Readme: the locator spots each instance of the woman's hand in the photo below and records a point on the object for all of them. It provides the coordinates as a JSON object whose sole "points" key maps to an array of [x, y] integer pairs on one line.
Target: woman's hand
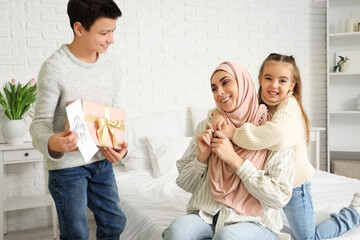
{"points": [[217, 120], [224, 149], [114, 155], [203, 141]]}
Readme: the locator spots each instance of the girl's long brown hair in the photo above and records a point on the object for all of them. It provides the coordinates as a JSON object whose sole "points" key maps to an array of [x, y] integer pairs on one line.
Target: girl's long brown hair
{"points": [[297, 91]]}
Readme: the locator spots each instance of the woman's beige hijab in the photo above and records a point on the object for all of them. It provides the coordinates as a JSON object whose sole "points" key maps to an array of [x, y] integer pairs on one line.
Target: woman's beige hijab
{"points": [[226, 186]]}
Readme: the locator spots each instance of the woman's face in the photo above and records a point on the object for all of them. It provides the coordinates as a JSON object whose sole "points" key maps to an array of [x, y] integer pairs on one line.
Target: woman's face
{"points": [[225, 90]]}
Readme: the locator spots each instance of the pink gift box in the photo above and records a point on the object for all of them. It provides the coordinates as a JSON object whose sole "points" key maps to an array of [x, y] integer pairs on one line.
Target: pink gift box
{"points": [[111, 121]]}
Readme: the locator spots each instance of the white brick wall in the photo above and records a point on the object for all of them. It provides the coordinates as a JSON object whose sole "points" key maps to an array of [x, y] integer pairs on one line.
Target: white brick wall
{"points": [[168, 50]]}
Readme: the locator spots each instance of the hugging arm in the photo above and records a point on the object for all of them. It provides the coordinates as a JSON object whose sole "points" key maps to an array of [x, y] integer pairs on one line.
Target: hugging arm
{"points": [[273, 185], [283, 131]]}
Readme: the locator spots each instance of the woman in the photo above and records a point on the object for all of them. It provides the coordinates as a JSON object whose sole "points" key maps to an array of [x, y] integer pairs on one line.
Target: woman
{"points": [[236, 193]]}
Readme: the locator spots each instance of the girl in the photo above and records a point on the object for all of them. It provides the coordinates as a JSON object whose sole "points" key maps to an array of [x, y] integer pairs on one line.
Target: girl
{"points": [[236, 193], [280, 90]]}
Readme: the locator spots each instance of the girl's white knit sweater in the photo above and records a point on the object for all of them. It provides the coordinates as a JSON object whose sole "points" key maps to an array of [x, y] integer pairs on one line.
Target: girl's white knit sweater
{"points": [[286, 129]]}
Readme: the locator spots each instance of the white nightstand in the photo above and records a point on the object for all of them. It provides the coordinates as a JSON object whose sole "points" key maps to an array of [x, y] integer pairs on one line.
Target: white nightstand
{"points": [[24, 153]]}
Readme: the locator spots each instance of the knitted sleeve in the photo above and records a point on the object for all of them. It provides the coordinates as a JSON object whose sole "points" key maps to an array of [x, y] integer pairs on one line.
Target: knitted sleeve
{"points": [[283, 131], [47, 95]]}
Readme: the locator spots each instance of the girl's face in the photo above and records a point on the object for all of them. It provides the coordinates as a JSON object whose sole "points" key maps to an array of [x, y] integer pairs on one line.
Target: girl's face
{"points": [[225, 90], [276, 81]]}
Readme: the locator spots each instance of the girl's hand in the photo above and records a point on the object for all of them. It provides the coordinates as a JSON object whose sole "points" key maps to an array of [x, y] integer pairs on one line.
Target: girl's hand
{"points": [[115, 155], [228, 131], [203, 141], [63, 142], [217, 120], [224, 149]]}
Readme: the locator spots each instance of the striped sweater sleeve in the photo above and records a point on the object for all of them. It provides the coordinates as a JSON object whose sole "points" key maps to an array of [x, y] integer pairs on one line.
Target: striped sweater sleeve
{"points": [[189, 168], [273, 185], [283, 131]]}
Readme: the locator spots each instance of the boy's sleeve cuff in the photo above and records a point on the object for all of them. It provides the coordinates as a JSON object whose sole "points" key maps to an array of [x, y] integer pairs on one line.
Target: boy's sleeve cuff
{"points": [[246, 170], [55, 156]]}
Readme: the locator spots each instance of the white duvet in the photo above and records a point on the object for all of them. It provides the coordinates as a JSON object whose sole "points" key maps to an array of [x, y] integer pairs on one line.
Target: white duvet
{"points": [[151, 204]]}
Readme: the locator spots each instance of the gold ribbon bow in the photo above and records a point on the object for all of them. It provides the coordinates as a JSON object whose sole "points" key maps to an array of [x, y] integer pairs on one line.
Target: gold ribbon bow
{"points": [[105, 126]]}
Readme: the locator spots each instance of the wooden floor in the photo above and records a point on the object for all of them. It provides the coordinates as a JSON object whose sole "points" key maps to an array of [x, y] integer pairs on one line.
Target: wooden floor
{"points": [[43, 233]]}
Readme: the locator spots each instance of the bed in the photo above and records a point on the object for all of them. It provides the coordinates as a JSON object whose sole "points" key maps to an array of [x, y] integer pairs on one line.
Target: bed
{"points": [[151, 199], [151, 204]]}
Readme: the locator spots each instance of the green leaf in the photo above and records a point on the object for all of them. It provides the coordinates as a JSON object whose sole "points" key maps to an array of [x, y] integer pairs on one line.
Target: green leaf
{"points": [[28, 100], [18, 99], [9, 115], [24, 110]]}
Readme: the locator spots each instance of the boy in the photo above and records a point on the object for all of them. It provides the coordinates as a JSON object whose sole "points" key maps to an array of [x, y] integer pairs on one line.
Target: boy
{"points": [[74, 71]]}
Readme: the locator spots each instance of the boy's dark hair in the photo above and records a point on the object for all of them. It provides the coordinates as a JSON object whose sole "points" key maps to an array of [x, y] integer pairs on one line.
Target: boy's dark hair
{"points": [[87, 11]]}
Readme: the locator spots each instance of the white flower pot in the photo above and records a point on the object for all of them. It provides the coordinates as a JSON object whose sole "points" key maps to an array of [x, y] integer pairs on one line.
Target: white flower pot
{"points": [[344, 67], [15, 131]]}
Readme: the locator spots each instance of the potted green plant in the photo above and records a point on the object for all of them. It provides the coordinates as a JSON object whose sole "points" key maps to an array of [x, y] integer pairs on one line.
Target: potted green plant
{"points": [[17, 100], [342, 64]]}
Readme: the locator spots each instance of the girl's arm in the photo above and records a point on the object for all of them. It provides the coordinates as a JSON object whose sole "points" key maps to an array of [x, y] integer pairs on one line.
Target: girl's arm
{"points": [[190, 169], [273, 185], [283, 131]]}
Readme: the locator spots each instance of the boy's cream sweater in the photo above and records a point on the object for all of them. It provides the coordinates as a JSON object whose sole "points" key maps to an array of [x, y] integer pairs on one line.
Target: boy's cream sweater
{"points": [[286, 129]]}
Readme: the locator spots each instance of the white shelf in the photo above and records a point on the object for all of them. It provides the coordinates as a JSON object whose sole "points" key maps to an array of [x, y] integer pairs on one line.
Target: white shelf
{"points": [[345, 149], [343, 88], [344, 35], [343, 74], [27, 202], [345, 112]]}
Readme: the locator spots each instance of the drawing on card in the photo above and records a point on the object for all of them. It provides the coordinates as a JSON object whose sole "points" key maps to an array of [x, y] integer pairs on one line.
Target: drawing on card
{"points": [[77, 124], [80, 128]]}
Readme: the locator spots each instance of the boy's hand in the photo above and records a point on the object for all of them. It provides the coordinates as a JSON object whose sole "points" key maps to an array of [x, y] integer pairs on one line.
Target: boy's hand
{"points": [[203, 141], [217, 120], [63, 142], [114, 155]]}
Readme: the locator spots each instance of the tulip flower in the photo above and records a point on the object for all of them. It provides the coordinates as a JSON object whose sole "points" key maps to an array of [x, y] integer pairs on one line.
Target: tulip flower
{"points": [[18, 98]]}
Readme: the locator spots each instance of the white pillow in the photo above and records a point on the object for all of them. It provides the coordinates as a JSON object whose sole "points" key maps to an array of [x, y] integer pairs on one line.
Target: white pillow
{"points": [[198, 114], [165, 151], [136, 128]]}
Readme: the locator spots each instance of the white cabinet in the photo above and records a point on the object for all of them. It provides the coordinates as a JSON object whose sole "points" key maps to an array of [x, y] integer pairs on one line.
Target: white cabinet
{"points": [[343, 88], [24, 153]]}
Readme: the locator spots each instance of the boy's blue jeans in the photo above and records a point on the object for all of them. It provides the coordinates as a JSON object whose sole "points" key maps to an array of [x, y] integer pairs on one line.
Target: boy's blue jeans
{"points": [[192, 227], [94, 186], [300, 214]]}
